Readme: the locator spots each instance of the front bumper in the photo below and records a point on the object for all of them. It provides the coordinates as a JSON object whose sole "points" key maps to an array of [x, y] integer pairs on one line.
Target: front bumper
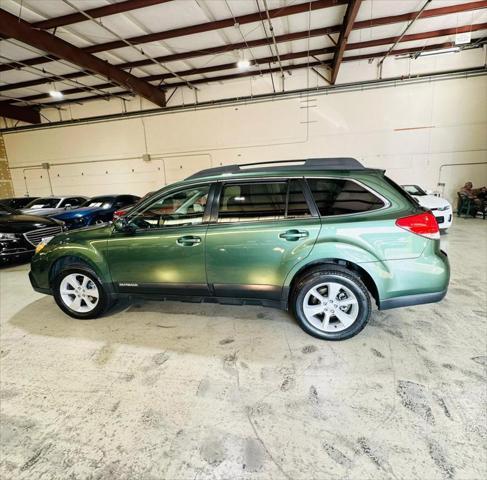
{"points": [[444, 218], [8, 255], [35, 286]]}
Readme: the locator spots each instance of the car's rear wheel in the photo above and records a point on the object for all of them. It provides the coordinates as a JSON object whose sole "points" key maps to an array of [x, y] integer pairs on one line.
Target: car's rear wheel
{"points": [[331, 304], [79, 293]]}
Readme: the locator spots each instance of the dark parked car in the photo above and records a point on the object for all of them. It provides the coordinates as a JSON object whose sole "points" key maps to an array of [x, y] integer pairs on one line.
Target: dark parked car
{"points": [[17, 202], [20, 234], [98, 210]]}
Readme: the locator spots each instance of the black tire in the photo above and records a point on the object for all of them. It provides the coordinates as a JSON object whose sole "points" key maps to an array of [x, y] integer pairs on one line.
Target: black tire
{"points": [[332, 274], [104, 300]]}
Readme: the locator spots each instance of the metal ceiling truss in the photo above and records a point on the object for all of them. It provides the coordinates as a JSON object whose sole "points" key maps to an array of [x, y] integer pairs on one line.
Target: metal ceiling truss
{"points": [[284, 57], [32, 34], [279, 39], [290, 10]]}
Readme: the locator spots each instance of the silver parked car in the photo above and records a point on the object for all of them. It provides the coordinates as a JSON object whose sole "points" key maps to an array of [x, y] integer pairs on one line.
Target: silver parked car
{"points": [[52, 205]]}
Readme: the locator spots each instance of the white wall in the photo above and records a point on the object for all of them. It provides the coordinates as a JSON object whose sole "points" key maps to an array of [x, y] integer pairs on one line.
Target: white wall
{"points": [[411, 130]]}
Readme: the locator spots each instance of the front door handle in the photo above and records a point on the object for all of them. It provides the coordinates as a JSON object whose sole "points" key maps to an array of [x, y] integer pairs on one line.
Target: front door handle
{"points": [[188, 241], [294, 235]]}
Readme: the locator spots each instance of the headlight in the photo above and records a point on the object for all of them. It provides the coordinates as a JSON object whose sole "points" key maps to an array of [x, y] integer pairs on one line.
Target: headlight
{"points": [[442, 209], [8, 236], [43, 243]]}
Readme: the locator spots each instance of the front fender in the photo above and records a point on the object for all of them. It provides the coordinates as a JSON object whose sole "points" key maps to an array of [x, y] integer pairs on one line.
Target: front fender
{"points": [[90, 253]]}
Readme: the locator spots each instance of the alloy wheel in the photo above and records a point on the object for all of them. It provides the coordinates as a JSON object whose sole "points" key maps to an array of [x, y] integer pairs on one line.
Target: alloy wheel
{"points": [[79, 292], [330, 307]]}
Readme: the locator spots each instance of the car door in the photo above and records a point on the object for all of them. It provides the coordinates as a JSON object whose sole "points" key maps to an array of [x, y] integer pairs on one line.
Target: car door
{"points": [[260, 230], [166, 252]]}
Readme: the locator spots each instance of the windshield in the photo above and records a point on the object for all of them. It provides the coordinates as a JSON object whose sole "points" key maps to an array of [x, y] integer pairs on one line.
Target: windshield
{"points": [[414, 190], [99, 202], [4, 210], [50, 202]]}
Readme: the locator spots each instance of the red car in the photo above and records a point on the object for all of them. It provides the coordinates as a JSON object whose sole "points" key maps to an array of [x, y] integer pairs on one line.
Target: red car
{"points": [[123, 211]]}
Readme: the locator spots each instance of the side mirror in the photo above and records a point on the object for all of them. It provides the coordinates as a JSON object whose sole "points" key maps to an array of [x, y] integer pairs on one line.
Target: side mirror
{"points": [[68, 206], [123, 226]]}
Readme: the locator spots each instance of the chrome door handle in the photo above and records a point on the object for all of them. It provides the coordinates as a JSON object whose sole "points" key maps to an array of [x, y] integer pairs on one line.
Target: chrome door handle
{"points": [[293, 235], [188, 241]]}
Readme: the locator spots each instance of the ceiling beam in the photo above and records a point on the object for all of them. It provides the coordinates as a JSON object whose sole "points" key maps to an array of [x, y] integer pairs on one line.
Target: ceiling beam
{"points": [[228, 66], [194, 71], [219, 24], [417, 36], [22, 31], [266, 60], [311, 65], [200, 28], [24, 114], [432, 12], [348, 21], [250, 43], [112, 9]]}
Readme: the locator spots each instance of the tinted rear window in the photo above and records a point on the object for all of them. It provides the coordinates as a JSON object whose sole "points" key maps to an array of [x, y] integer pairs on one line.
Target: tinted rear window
{"points": [[262, 201], [342, 197], [252, 201]]}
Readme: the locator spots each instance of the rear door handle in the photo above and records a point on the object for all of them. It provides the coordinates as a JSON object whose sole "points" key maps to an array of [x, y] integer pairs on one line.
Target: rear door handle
{"points": [[293, 235], [188, 241]]}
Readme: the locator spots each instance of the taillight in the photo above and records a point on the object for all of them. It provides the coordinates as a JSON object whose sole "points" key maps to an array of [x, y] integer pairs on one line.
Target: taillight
{"points": [[118, 214], [423, 224]]}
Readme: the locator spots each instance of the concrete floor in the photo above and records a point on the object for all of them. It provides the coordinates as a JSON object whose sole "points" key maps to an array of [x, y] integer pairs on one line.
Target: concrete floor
{"points": [[184, 391]]}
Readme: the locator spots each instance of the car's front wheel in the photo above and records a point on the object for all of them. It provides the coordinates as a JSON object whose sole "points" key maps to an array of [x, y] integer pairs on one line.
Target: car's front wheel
{"points": [[79, 293], [331, 304]]}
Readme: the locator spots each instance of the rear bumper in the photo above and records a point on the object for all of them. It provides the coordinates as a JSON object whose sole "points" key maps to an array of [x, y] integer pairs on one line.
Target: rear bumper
{"points": [[408, 300], [402, 283]]}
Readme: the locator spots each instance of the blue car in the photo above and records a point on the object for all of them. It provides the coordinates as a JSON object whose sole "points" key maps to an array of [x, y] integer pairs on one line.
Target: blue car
{"points": [[97, 210]]}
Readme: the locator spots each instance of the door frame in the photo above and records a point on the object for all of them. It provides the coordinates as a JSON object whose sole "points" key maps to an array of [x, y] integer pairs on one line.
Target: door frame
{"points": [[169, 290], [245, 292]]}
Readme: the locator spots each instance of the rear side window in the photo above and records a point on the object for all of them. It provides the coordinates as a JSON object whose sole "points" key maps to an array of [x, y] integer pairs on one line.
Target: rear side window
{"points": [[342, 197], [245, 202]]}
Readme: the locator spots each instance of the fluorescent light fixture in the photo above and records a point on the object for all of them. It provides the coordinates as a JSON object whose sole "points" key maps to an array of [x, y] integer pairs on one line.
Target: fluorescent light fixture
{"points": [[439, 52], [243, 64], [56, 94]]}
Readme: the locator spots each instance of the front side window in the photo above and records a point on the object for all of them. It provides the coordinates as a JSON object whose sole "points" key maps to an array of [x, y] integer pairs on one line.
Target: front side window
{"points": [[342, 197], [247, 202], [185, 207]]}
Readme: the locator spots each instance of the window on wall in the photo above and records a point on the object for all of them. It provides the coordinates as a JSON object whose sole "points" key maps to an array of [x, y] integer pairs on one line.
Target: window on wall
{"points": [[263, 201], [185, 207], [341, 197]]}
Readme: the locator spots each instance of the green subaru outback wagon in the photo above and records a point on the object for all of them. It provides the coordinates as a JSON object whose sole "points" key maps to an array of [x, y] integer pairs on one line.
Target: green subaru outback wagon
{"points": [[319, 237]]}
